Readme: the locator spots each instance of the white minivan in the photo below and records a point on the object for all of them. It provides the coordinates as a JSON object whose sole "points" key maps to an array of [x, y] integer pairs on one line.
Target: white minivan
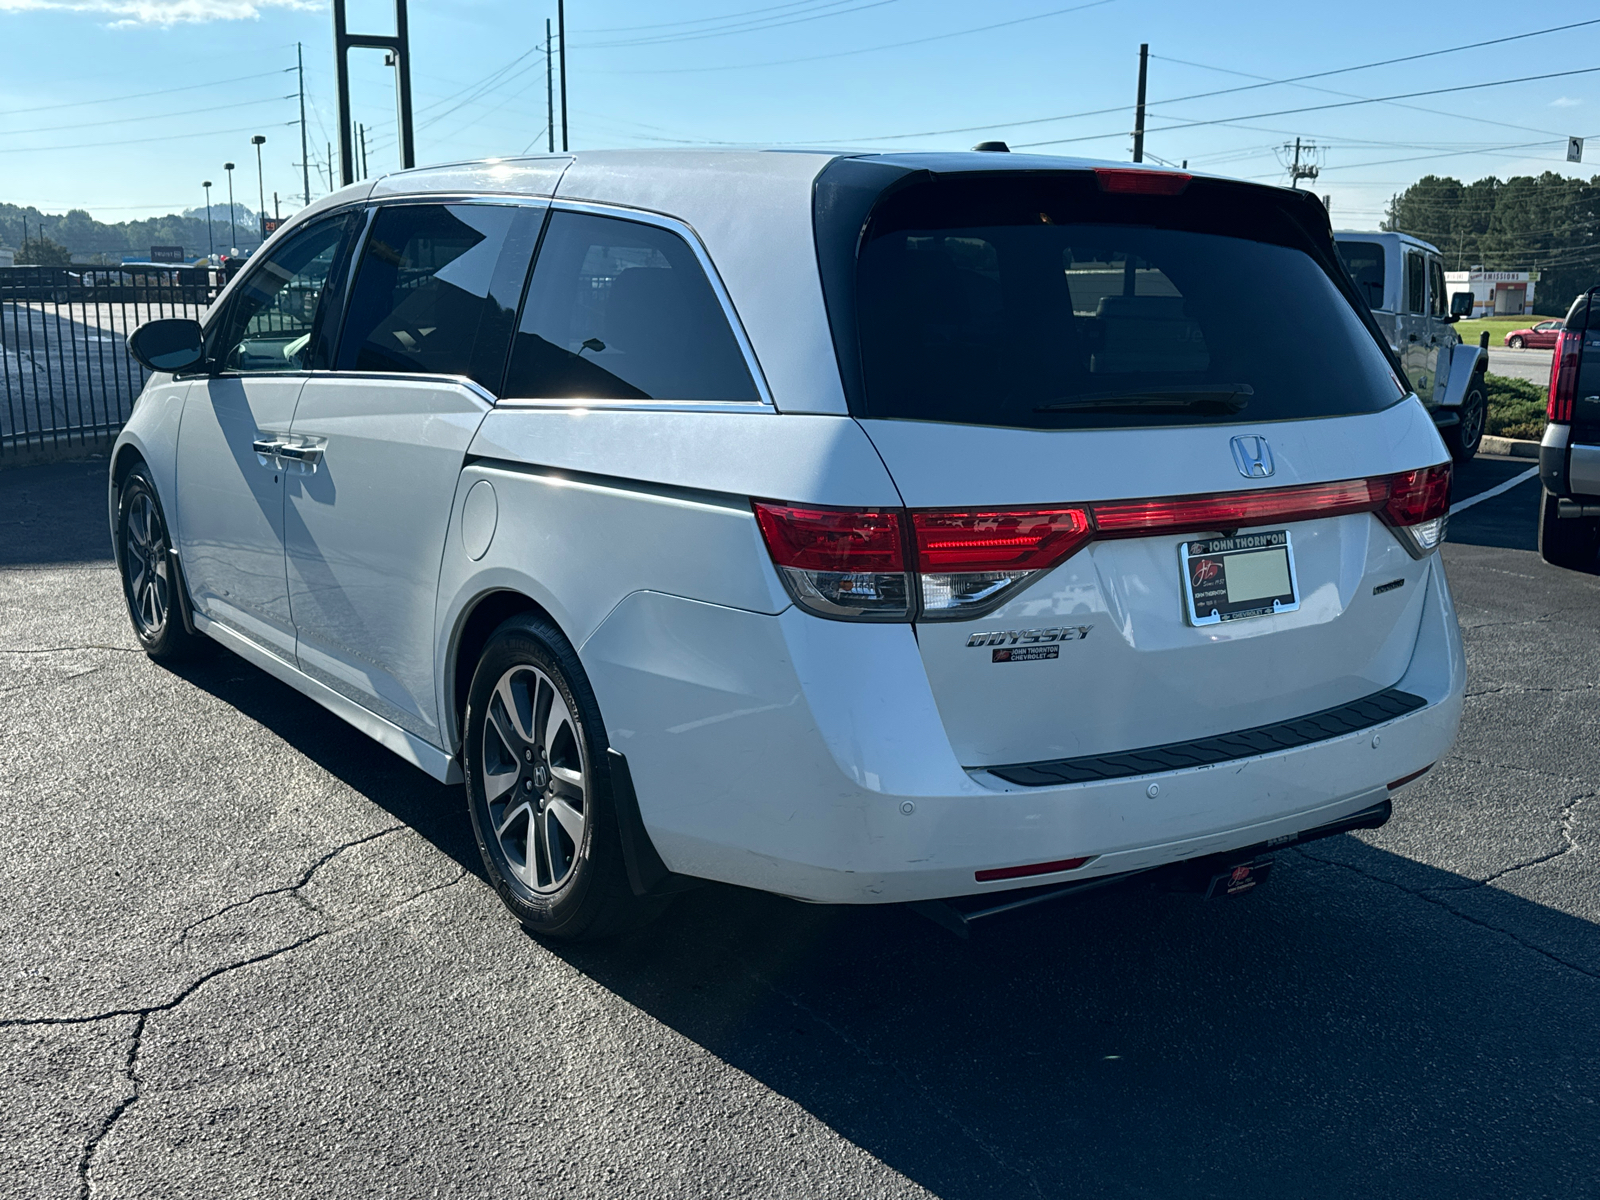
{"points": [[865, 529]]}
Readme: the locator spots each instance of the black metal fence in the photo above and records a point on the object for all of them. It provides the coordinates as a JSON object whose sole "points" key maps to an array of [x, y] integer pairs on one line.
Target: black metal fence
{"points": [[67, 380]]}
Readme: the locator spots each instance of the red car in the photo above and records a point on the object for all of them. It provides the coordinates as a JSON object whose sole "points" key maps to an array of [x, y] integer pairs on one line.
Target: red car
{"points": [[1541, 337]]}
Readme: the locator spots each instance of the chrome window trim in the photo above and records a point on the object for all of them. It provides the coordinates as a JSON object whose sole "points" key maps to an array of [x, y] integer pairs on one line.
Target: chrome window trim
{"points": [[696, 247], [472, 385]]}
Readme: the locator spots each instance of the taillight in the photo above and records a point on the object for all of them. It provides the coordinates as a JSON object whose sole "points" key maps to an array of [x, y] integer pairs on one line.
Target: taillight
{"points": [[967, 558], [1132, 181], [840, 562], [1564, 376], [939, 565]]}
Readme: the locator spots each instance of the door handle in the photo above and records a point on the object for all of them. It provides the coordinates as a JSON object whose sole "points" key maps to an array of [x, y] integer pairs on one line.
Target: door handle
{"points": [[267, 447], [306, 456]]}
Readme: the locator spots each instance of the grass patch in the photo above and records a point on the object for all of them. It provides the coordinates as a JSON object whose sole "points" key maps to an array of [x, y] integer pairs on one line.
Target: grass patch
{"points": [[1498, 327], [1516, 408]]}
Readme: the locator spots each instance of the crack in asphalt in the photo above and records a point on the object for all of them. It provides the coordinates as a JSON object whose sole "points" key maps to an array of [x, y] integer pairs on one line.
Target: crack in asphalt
{"points": [[1520, 688], [131, 1072], [143, 1015], [292, 888], [1567, 813], [1429, 895]]}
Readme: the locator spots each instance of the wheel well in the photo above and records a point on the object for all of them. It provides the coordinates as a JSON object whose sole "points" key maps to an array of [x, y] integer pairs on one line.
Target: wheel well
{"points": [[127, 458], [484, 619]]}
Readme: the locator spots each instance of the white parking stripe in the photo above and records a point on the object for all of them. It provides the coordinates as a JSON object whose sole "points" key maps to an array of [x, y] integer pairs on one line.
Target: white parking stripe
{"points": [[1494, 491]]}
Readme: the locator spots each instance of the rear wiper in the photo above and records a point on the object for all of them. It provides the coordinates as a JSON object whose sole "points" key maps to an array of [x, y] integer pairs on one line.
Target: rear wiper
{"points": [[1223, 396]]}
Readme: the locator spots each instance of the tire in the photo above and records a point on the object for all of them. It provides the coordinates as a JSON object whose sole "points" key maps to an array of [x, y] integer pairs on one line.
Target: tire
{"points": [[151, 583], [1573, 543], [1464, 437], [1515, 343], [538, 785]]}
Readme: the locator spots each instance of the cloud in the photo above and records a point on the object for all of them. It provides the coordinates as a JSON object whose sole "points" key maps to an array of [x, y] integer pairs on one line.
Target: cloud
{"points": [[161, 12], [1558, 102]]}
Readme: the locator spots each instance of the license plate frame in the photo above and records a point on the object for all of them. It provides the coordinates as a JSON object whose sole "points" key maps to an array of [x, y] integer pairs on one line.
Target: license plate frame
{"points": [[1205, 561]]}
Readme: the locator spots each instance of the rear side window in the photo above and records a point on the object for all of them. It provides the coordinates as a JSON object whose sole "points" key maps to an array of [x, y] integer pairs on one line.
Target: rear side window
{"points": [[1416, 284], [437, 290], [1031, 304], [1365, 262], [619, 310]]}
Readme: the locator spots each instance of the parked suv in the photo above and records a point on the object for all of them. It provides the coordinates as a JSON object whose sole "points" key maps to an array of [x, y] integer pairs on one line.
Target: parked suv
{"points": [[862, 529], [1569, 455], [1402, 280]]}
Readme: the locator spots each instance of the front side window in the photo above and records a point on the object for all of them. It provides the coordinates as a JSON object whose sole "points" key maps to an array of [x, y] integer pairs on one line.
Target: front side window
{"points": [[620, 310], [1416, 284], [437, 290], [1365, 262], [1041, 304], [269, 322], [1437, 304]]}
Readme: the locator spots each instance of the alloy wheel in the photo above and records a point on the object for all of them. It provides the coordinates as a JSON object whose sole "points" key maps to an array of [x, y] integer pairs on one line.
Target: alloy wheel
{"points": [[535, 778], [146, 564]]}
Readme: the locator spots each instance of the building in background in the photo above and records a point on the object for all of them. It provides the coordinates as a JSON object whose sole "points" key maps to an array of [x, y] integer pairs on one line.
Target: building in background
{"points": [[1495, 293], [8, 256]]}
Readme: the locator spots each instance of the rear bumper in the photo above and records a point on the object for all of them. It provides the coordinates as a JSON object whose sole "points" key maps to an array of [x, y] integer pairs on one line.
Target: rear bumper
{"points": [[807, 757]]}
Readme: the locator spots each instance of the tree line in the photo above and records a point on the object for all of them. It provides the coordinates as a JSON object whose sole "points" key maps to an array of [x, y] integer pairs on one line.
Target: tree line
{"points": [[1549, 223], [49, 239]]}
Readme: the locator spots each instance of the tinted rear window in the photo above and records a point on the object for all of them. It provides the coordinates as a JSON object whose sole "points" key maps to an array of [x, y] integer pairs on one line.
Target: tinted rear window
{"points": [[1364, 261], [1047, 304]]}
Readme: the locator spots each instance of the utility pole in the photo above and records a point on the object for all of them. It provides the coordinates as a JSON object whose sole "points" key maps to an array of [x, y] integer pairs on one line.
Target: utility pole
{"points": [[261, 185], [549, 90], [211, 242], [1138, 109], [363, 131], [1297, 172], [233, 234], [561, 28], [330, 166], [305, 154], [1294, 171]]}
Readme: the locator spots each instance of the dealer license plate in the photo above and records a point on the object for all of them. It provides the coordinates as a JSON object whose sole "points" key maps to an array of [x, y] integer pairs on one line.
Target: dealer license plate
{"points": [[1230, 578]]}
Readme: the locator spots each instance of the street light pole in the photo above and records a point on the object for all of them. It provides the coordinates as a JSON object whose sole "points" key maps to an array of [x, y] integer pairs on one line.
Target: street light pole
{"points": [[233, 234], [561, 29], [211, 241], [261, 185]]}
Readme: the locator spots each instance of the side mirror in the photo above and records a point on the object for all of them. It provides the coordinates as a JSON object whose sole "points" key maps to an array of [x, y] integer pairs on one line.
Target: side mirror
{"points": [[170, 344], [1461, 305]]}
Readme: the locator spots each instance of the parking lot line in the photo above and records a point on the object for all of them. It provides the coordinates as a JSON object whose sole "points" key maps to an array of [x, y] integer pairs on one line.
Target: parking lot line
{"points": [[1497, 490]]}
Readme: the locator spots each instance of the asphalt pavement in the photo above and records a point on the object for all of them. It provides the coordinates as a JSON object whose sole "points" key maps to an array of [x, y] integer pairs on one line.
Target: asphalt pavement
{"points": [[1532, 365], [248, 952]]}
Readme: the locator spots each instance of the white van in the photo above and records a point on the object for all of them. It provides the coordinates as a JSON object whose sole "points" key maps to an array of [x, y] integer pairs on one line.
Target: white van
{"points": [[865, 529]]}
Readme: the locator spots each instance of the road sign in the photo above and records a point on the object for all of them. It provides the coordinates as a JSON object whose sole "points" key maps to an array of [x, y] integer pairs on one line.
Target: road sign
{"points": [[1574, 149], [269, 226], [166, 254]]}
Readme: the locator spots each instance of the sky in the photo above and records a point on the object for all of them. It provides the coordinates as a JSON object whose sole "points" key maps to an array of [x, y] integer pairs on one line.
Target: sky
{"points": [[124, 107]]}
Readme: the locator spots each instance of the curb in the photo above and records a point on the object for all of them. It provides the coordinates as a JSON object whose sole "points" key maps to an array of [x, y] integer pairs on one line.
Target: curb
{"points": [[1515, 447]]}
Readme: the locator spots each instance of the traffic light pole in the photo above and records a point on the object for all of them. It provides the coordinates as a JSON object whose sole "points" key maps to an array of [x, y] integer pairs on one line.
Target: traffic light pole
{"points": [[399, 47]]}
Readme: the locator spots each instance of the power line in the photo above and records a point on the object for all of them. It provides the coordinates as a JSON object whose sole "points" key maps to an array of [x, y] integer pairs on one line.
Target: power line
{"points": [[188, 112], [747, 27], [706, 20], [11, 112], [1100, 112], [938, 37], [1284, 112], [171, 137]]}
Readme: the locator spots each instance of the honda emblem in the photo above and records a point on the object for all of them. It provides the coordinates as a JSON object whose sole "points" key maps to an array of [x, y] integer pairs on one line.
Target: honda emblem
{"points": [[1252, 456]]}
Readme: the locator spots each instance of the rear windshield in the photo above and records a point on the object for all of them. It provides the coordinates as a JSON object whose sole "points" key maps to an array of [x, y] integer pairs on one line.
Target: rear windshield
{"points": [[1043, 303], [1364, 261]]}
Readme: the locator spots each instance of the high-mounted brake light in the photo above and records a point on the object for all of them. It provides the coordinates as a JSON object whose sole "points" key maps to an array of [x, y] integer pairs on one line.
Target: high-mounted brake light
{"points": [[1564, 376], [1128, 181], [941, 565]]}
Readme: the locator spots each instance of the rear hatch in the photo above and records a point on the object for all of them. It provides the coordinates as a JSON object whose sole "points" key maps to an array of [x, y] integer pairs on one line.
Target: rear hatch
{"points": [[1164, 480]]}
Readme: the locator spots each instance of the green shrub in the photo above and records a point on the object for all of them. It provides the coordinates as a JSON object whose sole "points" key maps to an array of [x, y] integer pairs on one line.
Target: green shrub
{"points": [[1516, 408]]}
